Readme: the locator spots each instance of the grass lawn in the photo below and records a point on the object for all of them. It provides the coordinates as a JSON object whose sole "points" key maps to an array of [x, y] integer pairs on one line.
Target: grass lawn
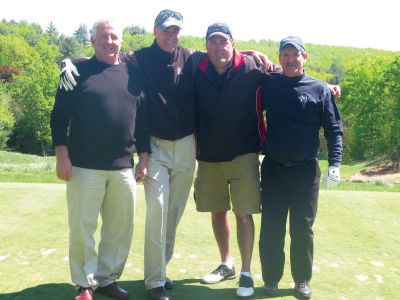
{"points": [[356, 248], [17, 167]]}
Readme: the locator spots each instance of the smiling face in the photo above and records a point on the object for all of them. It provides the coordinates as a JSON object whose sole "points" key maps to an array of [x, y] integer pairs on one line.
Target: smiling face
{"points": [[292, 61], [220, 52], [107, 43], [168, 38]]}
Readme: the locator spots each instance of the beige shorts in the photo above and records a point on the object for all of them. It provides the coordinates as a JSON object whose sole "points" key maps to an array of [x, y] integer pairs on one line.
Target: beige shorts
{"points": [[218, 184]]}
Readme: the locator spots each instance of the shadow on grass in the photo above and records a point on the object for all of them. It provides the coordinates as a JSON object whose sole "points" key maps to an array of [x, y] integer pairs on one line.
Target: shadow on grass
{"points": [[184, 289], [49, 291]]}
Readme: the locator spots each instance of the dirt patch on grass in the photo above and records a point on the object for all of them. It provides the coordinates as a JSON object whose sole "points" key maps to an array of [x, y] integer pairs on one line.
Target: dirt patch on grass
{"points": [[387, 173]]}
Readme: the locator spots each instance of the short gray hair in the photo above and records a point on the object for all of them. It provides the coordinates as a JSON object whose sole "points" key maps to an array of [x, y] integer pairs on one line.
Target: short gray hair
{"points": [[112, 23]]}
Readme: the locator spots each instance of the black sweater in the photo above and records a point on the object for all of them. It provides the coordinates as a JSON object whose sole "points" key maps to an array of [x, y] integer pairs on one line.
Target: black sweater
{"points": [[296, 108], [169, 90], [97, 119]]}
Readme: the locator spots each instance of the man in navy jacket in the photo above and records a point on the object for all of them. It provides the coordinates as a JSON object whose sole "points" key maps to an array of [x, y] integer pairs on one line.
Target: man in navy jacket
{"points": [[297, 106]]}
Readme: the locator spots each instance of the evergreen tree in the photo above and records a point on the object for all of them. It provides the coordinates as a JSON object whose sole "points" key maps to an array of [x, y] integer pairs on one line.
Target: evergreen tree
{"points": [[82, 34]]}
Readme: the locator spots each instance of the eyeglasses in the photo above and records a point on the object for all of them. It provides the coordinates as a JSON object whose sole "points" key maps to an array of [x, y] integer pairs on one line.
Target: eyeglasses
{"points": [[166, 13]]}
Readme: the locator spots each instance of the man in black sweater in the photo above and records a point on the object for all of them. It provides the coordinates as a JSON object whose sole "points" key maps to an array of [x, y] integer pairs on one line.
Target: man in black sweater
{"points": [[95, 129], [297, 106], [172, 160]]}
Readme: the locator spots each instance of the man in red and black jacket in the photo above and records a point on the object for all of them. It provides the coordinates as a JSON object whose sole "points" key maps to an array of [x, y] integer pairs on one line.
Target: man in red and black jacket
{"points": [[230, 132]]}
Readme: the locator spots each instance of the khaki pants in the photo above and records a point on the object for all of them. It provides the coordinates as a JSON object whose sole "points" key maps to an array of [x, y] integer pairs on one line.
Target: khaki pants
{"points": [[167, 186], [111, 194]]}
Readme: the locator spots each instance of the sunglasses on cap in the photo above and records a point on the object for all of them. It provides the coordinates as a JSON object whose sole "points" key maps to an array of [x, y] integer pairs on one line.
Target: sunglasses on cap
{"points": [[218, 28], [166, 13]]}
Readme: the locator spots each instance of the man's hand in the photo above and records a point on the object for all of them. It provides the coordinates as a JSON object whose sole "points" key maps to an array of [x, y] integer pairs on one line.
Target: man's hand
{"points": [[141, 167], [332, 176], [63, 163], [260, 59], [335, 90], [68, 71]]}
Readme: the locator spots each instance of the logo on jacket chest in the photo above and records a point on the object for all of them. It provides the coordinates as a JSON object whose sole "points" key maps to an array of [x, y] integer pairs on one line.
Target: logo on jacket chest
{"points": [[303, 99]]}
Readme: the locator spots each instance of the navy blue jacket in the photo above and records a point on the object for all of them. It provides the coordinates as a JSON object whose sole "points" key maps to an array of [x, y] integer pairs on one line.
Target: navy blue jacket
{"points": [[296, 109]]}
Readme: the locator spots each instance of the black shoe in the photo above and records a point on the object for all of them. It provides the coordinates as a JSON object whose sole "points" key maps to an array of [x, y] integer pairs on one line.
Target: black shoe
{"points": [[302, 290], [219, 274], [114, 291], [246, 287], [158, 293], [271, 289], [168, 285]]}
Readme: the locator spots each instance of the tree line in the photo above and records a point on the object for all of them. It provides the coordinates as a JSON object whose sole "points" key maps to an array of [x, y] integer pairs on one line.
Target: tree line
{"points": [[29, 70]]}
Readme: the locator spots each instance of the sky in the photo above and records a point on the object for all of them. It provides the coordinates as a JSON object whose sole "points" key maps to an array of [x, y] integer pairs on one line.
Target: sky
{"points": [[361, 24]]}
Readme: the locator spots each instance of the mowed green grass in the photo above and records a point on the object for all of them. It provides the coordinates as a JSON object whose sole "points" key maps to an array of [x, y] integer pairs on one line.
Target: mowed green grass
{"points": [[357, 246], [18, 167]]}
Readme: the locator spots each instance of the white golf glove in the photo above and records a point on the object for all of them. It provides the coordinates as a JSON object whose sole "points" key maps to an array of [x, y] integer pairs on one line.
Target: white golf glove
{"points": [[68, 71], [332, 176]]}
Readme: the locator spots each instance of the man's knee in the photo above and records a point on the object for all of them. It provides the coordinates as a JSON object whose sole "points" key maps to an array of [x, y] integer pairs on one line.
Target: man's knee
{"points": [[219, 215], [244, 219]]}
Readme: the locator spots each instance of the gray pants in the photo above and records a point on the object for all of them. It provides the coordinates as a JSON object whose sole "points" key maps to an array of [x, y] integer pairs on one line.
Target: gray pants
{"points": [[167, 186]]}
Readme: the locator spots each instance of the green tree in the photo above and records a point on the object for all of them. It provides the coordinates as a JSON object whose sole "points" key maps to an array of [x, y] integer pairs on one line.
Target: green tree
{"points": [[32, 93], [366, 110], [6, 116], [52, 32], [82, 34], [132, 30], [391, 94]]}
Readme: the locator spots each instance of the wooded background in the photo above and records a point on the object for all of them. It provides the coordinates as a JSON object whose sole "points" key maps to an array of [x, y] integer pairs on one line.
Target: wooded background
{"points": [[29, 78]]}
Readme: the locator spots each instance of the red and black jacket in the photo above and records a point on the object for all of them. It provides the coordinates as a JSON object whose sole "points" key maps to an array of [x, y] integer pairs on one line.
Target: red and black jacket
{"points": [[229, 119]]}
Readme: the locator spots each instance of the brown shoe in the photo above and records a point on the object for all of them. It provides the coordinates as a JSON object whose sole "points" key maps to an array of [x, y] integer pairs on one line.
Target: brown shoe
{"points": [[84, 294], [114, 291]]}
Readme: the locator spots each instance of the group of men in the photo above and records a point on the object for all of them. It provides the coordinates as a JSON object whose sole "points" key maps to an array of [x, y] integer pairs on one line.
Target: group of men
{"points": [[177, 105]]}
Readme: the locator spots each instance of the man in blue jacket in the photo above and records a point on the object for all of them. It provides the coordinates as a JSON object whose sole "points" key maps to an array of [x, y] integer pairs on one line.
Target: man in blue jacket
{"points": [[297, 106]]}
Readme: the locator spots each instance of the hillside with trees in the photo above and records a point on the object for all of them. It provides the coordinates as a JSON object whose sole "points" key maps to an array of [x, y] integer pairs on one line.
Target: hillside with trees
{"points": [[29, 68]]}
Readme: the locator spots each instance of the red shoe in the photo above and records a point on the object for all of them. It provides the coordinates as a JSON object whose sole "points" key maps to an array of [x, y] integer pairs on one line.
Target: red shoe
{"points": [[84, 294]]}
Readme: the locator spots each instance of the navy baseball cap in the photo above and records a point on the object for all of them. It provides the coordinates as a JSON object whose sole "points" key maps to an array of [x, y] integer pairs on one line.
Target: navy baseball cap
{"points": [[167, 18], [293, 41], [221, 29]]}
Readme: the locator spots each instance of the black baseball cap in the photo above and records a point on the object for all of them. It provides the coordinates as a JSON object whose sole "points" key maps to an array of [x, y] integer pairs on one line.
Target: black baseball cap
{"points": [[167, 18], [293, 41], [221, 29]]}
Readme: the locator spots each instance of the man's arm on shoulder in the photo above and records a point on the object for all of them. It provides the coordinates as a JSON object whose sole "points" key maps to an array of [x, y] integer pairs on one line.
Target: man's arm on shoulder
{"points": [[69, 72], [335, 90], [261, 59]]}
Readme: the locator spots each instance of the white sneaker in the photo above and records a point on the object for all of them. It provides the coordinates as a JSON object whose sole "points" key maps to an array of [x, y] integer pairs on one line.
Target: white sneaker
{"points": [[219, 274], [246, 287]]}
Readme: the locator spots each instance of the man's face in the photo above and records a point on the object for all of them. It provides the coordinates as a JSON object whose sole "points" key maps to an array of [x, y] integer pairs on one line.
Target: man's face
{"points": [[167, 39], [107, 44], [220, 51], [292, 61]]}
